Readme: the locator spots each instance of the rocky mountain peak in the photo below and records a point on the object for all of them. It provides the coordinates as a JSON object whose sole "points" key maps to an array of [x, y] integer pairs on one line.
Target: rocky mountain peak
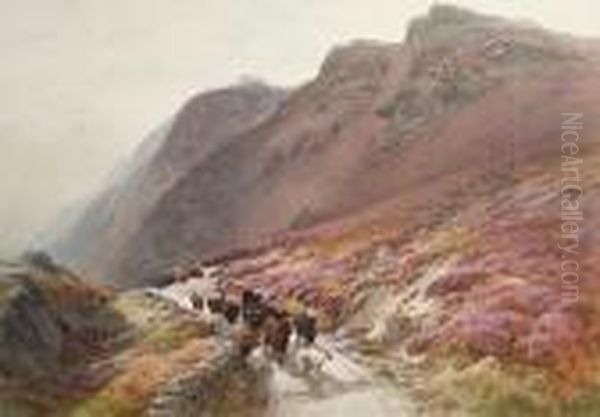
{"points": [[444, 24], [360, 59], [451, 14]]}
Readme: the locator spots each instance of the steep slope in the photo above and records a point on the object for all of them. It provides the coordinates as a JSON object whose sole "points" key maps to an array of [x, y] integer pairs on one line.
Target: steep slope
{"points": [[95, 240], [454, 108], [74, 232]]}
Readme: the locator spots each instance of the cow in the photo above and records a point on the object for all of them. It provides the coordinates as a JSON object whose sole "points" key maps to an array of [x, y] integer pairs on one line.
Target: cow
{"points": [[231, 311], [305, 327], [197, 302], [254, 311], [216, 304]]}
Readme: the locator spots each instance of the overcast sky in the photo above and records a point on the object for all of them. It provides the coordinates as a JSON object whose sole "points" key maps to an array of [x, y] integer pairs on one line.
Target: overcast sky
{"points": [[83, 81]]}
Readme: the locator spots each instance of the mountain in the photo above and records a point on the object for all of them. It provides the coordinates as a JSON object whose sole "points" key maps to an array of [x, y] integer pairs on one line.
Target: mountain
{"points": [[77, 226], [427, 126], [434, 202], [94, 241]]}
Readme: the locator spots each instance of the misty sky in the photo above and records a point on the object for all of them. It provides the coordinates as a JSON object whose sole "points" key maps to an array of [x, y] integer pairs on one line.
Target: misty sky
{"points": [[83, 81]]}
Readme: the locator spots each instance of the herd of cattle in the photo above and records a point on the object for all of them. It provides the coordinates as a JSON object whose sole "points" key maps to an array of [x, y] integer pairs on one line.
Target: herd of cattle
{"points": [[251, 323]]}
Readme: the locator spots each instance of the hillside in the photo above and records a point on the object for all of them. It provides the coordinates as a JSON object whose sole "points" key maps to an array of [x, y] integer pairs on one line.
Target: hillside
{"points": [[435, 202], [74, 349], [453, 109], [94, 241]]}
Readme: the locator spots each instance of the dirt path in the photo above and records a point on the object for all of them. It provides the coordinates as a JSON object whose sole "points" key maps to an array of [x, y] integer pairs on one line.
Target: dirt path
{"points": [[342, 387]]}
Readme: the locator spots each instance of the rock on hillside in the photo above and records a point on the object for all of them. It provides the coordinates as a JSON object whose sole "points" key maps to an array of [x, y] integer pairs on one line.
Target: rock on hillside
{"points": [[48, 317]]}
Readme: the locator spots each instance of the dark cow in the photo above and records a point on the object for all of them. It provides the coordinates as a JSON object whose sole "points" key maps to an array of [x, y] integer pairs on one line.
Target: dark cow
{"points": [[197, 302], [216, 305], [281, 338], [251, 298], [231, 311], [305, 326], [277, 330], [245, 339], [254, 311]]}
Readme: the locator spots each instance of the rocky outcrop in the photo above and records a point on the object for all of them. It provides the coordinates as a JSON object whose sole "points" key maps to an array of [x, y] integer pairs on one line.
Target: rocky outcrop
{"points": [[445, 24], [47, 319]]}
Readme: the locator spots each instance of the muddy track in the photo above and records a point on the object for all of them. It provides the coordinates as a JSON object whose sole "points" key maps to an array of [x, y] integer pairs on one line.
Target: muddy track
{"points": [[341, 387]]}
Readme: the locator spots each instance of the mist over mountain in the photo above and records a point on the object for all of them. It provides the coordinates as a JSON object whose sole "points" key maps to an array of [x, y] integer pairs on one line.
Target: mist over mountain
{"points": [[162, 160], [420, 121]]}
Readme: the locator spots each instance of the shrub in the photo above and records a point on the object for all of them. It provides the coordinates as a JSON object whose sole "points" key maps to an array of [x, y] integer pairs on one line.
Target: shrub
{"points": [[41, 260]]}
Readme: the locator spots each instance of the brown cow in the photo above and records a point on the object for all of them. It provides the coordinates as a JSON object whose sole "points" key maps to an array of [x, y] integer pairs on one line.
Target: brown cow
{"points": [[277, 331], [245, 339]]}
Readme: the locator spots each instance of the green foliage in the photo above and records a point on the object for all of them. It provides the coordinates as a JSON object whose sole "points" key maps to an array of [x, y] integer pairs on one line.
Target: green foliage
{"points": [[587, 404], [523, 404], [41, 260], [103, 407], [304, 218], [171, 336], [490, 389], [11, 407], [510, 404]]}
